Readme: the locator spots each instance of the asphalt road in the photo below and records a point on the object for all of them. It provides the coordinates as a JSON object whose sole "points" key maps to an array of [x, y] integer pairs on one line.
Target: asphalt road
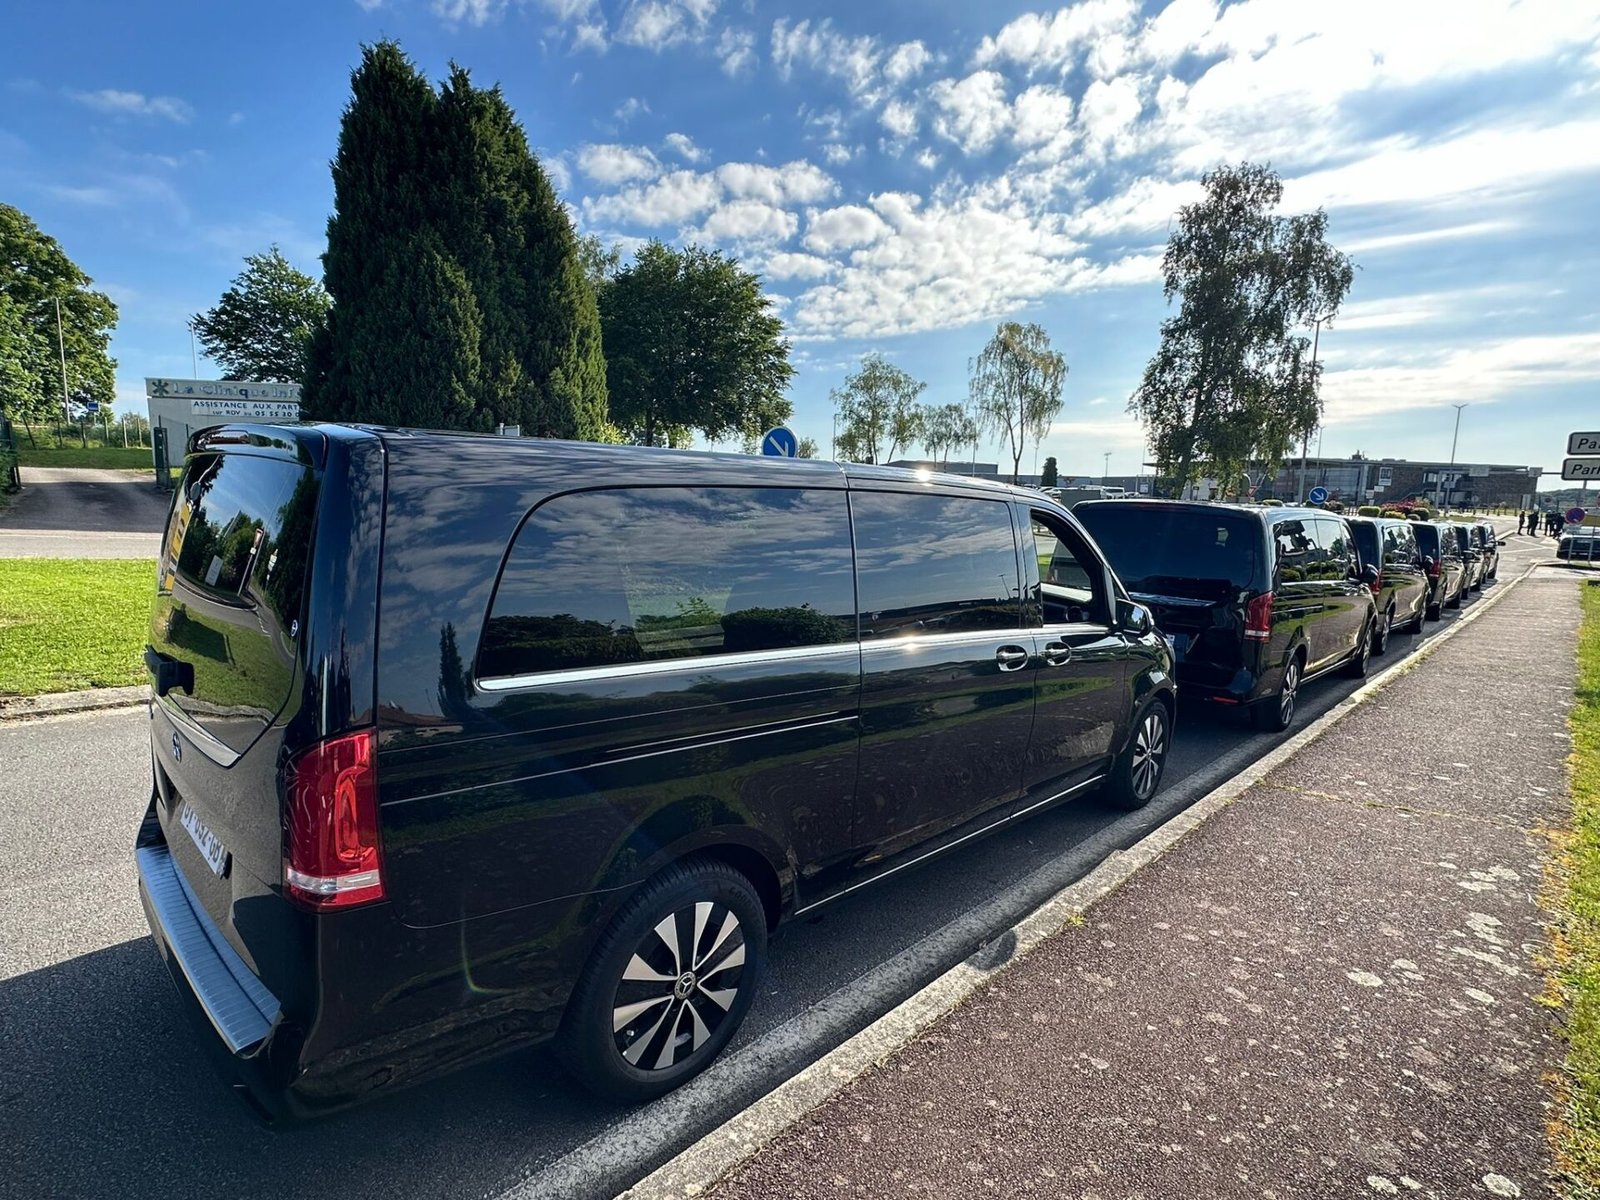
{"points": [[79, 512], [104, 1090]]}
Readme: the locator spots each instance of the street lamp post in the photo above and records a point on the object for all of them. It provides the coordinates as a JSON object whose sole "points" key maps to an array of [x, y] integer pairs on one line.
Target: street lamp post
{"points": [[1105, 475], [1305, 444], [1454, 437]]}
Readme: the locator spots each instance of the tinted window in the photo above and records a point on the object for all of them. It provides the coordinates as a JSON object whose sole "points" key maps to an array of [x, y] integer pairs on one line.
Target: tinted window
{"points": [[1157, 549], [1072, 584], [934, 564], [1297, 549], [647, 574], [1370, 541], [1399, 547], [1427, 539], [1339, 553]]}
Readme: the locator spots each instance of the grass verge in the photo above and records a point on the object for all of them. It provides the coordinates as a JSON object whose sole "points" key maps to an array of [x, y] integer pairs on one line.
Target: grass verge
{"points": [[69, 623], [133, 458], [1578, 935]]}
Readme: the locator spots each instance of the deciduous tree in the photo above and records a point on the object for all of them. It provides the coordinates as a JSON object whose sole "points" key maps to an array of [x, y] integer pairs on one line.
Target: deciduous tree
{"points": [[262, 326], [691, 343], [946, 427], [878, 412], [1231, 382], [1049, 477], [1016, 387], [35, 273]]}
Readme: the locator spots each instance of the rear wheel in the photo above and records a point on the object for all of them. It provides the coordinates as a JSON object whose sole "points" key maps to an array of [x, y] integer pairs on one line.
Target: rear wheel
{"points": [[1276, 712], [667, 985], [1455, 601], [1136, 775]]}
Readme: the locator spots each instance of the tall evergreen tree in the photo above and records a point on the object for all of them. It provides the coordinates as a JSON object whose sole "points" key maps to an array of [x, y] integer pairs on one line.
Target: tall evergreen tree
{"points": [[444, 216]]}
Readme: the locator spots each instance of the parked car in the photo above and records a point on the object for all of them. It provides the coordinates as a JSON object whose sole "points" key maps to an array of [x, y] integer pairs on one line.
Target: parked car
{"points": [[462, 743], [1471, 556], [1579, 543], [1256, 601], [1400, 591], [1442, 561]]}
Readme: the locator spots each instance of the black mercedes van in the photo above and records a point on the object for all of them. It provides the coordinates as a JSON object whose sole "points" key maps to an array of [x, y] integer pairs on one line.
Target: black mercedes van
{"points": [[1256, 601], [461, 743]]}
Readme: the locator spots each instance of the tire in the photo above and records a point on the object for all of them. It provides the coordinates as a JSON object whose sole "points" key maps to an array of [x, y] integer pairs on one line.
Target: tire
{"points": [[662, 1047], [1356, 666], [1136, 775], [1455, 601], [1276, 712], [1385, 628]]}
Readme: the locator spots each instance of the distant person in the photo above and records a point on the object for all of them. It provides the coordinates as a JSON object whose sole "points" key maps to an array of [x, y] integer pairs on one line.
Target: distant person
{"points": [[1522, 519], [1561, 522]]}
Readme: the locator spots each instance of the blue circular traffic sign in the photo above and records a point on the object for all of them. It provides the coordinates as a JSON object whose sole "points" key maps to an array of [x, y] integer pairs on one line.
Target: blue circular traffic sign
{"points": [[1574, 515], [1318, 495], [780, 443]]}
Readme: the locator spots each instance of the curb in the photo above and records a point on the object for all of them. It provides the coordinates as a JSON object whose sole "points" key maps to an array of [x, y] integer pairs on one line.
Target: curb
{"points": [[56, 704], [698, 1168]]}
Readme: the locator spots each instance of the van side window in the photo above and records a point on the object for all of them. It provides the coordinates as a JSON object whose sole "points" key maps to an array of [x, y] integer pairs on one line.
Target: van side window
{"points": [[1071, 584], [1295, 547], [627, 575], [934, 564]]}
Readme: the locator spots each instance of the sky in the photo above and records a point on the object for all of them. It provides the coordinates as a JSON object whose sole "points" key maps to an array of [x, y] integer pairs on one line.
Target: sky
{"points": [[904, 175]]}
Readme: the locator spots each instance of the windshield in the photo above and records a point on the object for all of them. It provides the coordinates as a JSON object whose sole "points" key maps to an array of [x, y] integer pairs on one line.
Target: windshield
{"points": [[1176, 551]]}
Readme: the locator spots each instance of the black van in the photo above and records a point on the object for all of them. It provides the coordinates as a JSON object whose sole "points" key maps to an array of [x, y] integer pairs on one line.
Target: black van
{"points": [[1255, 601], [1401, 589], [1444, 564], [461, 743]]}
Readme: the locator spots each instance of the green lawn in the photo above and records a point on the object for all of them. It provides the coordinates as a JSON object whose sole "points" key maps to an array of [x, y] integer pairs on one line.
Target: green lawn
{"points": [[46, 455], [1578, 930], [68, 623]]}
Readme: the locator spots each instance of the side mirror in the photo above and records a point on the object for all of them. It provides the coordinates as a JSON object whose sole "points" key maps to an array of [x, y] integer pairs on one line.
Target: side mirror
{"points": [[1370, 575], [1135, 618]]}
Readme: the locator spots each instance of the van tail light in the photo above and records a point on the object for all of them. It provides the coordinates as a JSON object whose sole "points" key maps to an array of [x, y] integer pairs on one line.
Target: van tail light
{"points": [[1258, 618], [331, 836], [1377, 585], [1433, 567]]}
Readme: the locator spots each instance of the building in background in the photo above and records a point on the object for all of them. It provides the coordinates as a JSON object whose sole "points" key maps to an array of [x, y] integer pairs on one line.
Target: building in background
{"points": [[1375, 480]]}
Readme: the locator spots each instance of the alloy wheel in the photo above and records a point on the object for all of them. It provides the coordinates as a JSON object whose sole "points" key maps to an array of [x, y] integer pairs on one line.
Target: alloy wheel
{"points": [[1149, 752], [679, 986], [1286, 698]]}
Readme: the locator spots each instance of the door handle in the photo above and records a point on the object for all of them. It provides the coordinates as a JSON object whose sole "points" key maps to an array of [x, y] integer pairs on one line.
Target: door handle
{"points": [[1056, 654], [1011, 658]]}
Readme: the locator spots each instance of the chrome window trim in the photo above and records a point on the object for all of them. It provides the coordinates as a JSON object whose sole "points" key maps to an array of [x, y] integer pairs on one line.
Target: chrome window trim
{"points": [[217, 751], [665, 666]]}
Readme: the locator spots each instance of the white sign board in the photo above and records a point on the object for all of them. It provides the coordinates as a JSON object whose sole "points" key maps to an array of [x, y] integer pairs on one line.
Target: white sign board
{"points": [[1580, 468], [1583, 443], [220, 389], [248, 410]]}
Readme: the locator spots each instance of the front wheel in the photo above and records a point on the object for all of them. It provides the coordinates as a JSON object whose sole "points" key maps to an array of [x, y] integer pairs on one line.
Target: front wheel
{"points": [[1356, 667], [1276, 712], [1385, 628], [1136, 775], [667, 985]]}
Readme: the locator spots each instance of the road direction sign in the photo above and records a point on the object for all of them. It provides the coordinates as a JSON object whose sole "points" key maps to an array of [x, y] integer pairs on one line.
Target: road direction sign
{"points": [[780, 443], [91, 406], [1319, 495], [1580, 468], [1574, 515], [1583, 443]]}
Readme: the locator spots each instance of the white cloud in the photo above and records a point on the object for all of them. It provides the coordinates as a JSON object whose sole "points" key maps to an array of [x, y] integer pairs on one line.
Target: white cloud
{"points": [[1101, 433], [589, 35], [899, 117], [927, 159], [737, 50], [1108, 111], [792, 183], [788, 265], [854, 60], [746, 221], [1037, 41], [837, 154], [842, 228], [1041, 114], [136, 104], [1483, 372], [630, 108], [609, 164], [673, 199], [683, 146], [653, 24], [905, 62], [1415, 237], [972, 112]]}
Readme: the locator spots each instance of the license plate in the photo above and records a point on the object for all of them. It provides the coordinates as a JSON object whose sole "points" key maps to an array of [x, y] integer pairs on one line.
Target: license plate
{"points": [[208, 843]]}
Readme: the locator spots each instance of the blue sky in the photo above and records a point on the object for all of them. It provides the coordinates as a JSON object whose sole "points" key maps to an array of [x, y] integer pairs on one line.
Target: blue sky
{"points": [[904, 174]]}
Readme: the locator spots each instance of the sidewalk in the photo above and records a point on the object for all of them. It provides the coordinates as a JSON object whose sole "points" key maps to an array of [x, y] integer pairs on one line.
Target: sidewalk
{"points": [[1328, 990]]}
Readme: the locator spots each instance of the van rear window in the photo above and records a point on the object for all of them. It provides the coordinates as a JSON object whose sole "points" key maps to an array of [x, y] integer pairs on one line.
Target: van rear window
{"points": [[629, 575], [1176, 551]]}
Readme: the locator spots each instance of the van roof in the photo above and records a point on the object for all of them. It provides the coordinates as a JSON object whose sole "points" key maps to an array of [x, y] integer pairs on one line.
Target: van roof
{"points": [[1259, 511], [648, 460]]}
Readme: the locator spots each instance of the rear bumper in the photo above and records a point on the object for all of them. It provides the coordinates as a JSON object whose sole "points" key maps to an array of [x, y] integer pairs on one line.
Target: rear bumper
{"points": [[1208, 684]]}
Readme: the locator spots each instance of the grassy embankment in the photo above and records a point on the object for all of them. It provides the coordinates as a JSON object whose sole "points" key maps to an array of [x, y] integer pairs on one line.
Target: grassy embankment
{"points": [[68, 623]]}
